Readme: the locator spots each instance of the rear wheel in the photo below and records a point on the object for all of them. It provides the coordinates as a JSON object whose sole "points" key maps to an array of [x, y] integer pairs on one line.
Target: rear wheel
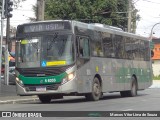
{"points": [[133, 91], [96, 91], [45, 98]]}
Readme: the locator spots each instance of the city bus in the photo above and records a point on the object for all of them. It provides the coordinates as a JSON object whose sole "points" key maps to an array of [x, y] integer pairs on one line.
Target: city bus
{"points": [[65, 57]]}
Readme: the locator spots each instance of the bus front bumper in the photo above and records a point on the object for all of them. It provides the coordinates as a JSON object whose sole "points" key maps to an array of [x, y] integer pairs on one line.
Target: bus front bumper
{"points": [[67, 88]]}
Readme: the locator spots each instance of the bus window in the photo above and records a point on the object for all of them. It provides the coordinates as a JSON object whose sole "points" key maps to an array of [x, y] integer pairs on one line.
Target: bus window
{"points": [[108, 47], [84, 47]]}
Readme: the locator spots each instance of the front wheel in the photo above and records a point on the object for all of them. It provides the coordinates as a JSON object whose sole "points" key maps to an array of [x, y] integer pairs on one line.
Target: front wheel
{"points": [[96, 91], [45, 98]]}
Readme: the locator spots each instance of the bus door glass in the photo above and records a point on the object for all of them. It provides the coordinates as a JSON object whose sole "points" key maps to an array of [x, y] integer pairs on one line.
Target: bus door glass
{"points": [[83, 50]]}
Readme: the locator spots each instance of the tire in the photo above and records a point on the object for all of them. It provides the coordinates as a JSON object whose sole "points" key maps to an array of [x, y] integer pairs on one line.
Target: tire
{"points": [[45, 98], [96, 91], [133, 91], [134, 87]]}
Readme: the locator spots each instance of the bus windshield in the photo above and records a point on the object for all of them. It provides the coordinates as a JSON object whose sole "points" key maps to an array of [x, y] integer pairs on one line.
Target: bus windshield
{"points": [[45, 51]]}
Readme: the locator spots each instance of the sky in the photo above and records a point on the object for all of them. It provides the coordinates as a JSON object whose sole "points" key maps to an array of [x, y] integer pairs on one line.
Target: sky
{"points": [[149, 10], [22, 13]]}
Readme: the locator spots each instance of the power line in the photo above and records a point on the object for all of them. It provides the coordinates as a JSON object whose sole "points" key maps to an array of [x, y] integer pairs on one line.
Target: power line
{"points": [[23, 10], [135, 2], [151, 1]]}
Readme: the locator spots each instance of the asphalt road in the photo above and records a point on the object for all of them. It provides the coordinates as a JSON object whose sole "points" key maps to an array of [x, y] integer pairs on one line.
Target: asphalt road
{"points": [[147, 100]]}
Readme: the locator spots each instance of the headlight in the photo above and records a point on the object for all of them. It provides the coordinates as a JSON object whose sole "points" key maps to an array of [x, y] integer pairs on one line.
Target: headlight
{"points": [[68, 77], [19, 81]]}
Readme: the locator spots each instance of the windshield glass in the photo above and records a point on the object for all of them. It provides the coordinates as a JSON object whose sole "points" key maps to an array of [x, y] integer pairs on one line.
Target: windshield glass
{"points": [[57, 50], [45, 51], [28, 50]]}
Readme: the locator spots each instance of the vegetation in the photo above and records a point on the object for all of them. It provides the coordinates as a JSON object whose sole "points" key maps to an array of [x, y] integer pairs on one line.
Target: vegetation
{"points": [[156, 77], [100, 11], [110, 12], [16, 3]]}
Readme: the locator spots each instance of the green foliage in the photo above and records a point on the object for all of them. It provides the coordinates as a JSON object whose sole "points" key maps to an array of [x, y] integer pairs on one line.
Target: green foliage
{"points": [[101, 11], [15, 2], [156, 77]]}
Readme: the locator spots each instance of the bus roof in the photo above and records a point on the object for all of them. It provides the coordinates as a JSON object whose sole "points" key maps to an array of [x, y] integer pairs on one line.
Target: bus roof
{"points": [[94, 26]]}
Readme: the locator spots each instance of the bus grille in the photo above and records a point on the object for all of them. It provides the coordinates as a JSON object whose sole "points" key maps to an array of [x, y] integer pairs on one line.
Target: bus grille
{"points": [[48, 87], [41, 72]]}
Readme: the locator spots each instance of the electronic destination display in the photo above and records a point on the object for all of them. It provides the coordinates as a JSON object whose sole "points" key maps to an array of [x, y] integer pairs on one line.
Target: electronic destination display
{"points": [[44, 26]]}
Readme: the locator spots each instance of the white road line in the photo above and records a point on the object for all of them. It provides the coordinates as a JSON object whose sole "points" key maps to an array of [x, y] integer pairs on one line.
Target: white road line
{"points": [[128, 110], [17, 100]]}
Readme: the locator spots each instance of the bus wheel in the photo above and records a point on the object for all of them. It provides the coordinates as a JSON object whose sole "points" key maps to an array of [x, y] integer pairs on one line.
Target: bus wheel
{"points": [[45, 98], [134, 87], [133, 91], [96, 91]]}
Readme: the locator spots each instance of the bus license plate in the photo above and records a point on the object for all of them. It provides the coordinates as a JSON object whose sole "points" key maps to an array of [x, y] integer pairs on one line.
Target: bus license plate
{"points": [[40, 89]]}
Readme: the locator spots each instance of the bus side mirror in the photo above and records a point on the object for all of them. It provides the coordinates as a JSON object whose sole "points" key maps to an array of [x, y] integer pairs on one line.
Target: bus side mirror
{"points": [[152, 53]]}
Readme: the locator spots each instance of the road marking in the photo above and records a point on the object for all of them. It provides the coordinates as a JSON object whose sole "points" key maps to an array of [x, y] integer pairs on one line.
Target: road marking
{"points": [[17, 100], [128, 110]]}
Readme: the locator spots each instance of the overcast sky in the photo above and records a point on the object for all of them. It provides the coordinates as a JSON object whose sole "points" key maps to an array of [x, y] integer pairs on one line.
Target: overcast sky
{"points": [[22, 14], [149, 11]]}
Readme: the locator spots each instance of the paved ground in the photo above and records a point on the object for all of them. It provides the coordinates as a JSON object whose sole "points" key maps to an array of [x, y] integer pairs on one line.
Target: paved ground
{"points": [[8, 94]]}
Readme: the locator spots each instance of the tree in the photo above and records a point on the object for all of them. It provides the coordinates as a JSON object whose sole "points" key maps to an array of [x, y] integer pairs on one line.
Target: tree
{"points": [[111, 12], [16, 3]]}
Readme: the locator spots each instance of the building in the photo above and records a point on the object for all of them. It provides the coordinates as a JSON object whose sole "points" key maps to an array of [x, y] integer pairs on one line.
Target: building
{"points": [[156, 57]]}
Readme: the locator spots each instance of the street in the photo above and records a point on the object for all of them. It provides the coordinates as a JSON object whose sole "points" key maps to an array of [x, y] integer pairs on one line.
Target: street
{"points": [[147, 100]]}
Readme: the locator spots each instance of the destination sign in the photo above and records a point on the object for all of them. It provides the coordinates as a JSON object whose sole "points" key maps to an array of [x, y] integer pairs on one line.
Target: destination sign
{"points": [[42, 27]]}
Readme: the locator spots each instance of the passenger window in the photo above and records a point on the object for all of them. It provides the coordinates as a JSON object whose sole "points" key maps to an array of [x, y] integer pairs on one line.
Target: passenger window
{"points": [[83, 47]]}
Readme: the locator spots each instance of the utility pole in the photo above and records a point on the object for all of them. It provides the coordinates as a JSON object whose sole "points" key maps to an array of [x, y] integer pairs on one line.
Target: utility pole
{"points": [[2, 21], [129, 15], [8, 15], [40, 10]]}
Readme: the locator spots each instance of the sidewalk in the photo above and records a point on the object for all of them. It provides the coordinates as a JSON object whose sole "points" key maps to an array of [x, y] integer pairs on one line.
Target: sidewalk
{"points": [[156, 84], [8, 94]]}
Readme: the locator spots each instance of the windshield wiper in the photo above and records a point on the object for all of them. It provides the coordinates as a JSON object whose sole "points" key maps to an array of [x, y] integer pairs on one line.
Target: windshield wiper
{"points": [[53, 40]]}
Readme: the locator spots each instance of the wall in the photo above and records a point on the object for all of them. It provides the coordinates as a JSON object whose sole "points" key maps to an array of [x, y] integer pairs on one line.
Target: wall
{"points": [[156, 67]]}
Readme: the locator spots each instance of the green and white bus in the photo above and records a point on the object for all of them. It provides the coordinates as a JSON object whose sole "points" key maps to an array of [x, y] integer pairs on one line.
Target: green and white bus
{"points": [[63, 57]]}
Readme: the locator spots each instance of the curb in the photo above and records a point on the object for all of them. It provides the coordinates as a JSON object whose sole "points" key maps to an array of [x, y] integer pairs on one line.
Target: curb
{"points": [[19, 101]]}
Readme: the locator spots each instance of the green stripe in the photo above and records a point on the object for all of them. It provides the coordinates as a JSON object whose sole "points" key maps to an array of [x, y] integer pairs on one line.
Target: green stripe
{"points": [[42, 80], [142, 76]]}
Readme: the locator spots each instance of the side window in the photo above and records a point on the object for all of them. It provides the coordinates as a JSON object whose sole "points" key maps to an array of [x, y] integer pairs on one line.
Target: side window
{"points": [[97, 49], [108, 46], [96, 45], [119, 47], [142, 50], [83, 47], [147, 51], [128, 48]]}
